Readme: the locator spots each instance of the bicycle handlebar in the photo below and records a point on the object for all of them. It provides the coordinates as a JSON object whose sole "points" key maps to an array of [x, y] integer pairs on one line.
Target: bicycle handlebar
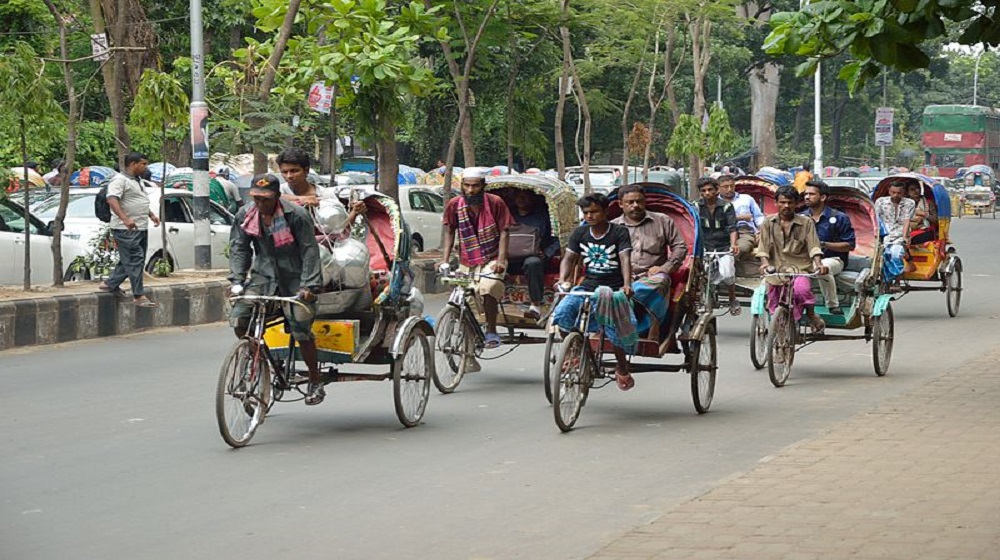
{"points": [[279, 299]]}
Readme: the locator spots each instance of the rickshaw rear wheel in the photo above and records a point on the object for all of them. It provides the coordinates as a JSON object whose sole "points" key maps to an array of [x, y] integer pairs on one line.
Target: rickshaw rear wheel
{"points": [[883, 329], [758, 341], [242, 395], [780, 347], [953, 288], [571, 383], [411, 378], [703, 367], [453, 349]]}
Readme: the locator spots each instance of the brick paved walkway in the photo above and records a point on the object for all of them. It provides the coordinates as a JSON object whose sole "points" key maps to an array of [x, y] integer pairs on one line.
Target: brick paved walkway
{"points": [[917, 477]]}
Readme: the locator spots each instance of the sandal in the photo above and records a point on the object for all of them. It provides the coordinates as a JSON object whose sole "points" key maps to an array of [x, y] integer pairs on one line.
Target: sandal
{"points": [[493, 341], [817, 324], [735, 308], [315, 394], [108, 290], [625, 382], [145, 302]]}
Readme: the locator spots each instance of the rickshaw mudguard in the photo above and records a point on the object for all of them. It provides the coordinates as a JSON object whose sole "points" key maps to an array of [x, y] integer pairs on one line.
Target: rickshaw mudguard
{"points": [[410, 324], [758, 302], [698, 329], [881, 304]]}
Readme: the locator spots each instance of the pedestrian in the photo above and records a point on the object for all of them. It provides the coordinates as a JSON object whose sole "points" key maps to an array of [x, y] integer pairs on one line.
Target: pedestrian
{"points": [[801, 178], [130, 217]]}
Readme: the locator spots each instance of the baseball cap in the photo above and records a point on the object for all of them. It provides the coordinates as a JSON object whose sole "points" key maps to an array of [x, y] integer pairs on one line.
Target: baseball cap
{"points": [[265, 183]]}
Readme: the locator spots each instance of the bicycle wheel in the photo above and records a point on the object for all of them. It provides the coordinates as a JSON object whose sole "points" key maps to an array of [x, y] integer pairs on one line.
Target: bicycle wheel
{"points": [[953, 289], [758, 341], [781, 347], [551, 356], [411, 383], [571, 385], [882, 335], [703, 366], [243, 393], [453, 350]]}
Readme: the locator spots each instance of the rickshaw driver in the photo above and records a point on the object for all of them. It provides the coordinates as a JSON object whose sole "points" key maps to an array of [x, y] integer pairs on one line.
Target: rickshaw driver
{"points": [[836, 238], [748, 215], [658, 250], [895, 212], [789, 240], [718, 222], [481, 220], [603, 247], [276, 237]]}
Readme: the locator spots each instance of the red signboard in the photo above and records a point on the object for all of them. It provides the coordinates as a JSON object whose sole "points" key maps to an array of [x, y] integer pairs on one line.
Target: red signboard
{"points": [[968, 140]]}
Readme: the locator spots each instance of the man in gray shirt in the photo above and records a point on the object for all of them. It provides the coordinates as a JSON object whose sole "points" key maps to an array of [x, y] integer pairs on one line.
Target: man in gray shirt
{"points": [[130, 218]]}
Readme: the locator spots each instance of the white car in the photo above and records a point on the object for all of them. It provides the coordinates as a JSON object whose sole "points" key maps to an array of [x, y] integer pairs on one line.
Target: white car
{"points": [[12, 247], [602, 178], [82, 222], [422, 208]]}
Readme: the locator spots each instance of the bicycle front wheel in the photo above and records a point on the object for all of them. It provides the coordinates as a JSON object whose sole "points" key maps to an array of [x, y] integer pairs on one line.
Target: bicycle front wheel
{"points": [[781, 347], [571, 381], [243, 393], [453, 350]]}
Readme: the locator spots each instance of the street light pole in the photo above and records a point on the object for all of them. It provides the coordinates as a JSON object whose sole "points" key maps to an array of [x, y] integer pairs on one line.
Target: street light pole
{"points": [[884, 104], [975, 78], [817, 102], [199, 144]]}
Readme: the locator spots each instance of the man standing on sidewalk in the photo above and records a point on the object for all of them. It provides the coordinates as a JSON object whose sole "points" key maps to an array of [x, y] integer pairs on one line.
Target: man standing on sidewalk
{"points": [[130, 217]]}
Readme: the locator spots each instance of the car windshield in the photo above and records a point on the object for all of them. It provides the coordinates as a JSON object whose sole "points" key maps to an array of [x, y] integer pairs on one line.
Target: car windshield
{"points": [[80, 206]]}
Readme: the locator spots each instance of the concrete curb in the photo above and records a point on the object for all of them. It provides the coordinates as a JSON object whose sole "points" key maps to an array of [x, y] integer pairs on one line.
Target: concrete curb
{"points": [[63, 318]]}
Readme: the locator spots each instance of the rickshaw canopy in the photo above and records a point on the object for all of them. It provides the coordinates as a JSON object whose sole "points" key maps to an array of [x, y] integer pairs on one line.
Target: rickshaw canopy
{"points": [[929, 189]]}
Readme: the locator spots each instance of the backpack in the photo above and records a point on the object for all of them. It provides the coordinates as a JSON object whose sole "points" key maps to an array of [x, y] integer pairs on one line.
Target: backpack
{"points": [[101, 207]]}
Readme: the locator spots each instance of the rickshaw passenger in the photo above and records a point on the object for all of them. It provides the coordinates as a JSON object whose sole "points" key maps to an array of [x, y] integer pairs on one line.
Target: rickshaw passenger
{"points": [[789, 241], [276, 237], [895, 212], [481, 220], [923, 225], [718, 224], [294, 164], [748, 215], [836, 238], [658, 250], [528, 213], [604, 248]]}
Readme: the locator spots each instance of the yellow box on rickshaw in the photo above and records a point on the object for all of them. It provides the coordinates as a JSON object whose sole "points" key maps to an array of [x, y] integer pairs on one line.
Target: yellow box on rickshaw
{"points": [[340, 338]]}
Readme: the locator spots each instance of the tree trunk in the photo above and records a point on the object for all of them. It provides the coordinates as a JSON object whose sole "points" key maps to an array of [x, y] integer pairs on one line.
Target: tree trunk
{"points": [[701, 56], [836, 128], [582, 99], [110, 75], [628, 108], [560, 110], [70, 153], [388, 159], [468, 147], [267, 81], [765, 86]]}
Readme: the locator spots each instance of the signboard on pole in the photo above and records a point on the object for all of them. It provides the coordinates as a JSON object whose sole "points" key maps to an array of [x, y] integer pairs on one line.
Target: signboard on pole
{"points": [[883, 126], [320, 98], [99, 46]]}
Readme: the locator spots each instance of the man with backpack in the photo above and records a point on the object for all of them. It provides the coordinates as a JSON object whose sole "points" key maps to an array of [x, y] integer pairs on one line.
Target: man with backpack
{"points": [[129, 219]]}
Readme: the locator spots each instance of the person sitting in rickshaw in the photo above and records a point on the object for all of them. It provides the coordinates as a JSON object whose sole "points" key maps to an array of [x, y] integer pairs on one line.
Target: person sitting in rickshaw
{"points": [[481, 220], [836, 238], [718, 227], [894, 212], [527, 212], [276, 237], [604, 248], [788, 241], [924, 222], [748, 215], [658, 250]]}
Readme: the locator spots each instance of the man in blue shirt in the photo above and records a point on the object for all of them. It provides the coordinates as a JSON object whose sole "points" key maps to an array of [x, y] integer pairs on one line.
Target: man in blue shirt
{"points": [[836, 236]]}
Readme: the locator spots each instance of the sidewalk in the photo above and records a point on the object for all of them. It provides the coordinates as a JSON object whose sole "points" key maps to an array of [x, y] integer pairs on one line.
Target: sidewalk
{"points": [[917, 477]]}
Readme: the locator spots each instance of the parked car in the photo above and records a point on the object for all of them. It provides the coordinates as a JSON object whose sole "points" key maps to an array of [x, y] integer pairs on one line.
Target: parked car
{"points": [[422, 209], [12, 247], [602, 178], [82, 222]]}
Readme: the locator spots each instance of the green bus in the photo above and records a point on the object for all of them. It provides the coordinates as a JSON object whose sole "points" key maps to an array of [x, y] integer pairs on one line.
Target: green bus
{"points": [[958, 136]]}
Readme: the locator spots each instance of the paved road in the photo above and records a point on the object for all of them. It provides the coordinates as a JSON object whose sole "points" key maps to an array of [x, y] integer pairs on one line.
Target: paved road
{"points": [[110, 448]]}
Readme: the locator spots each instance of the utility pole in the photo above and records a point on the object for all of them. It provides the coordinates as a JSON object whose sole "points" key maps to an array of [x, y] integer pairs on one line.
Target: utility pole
{"points": [[199, 144], [975, 78], [881, 165], [818, 133]]}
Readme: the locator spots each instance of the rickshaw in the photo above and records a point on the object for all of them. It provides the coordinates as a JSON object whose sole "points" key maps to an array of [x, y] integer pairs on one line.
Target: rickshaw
{"points": [[859, 288], [937, 266], [978, 196], [690, 331], [459, 338], [376, 321]]}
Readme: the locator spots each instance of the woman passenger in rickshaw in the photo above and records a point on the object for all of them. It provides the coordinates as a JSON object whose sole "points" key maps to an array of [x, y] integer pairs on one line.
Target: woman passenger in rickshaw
{"points": [[923, 225]]}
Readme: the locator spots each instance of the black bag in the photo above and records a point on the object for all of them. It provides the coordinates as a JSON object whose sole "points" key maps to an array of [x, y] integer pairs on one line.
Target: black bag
{"points": [[523, 241], [101, 207]]}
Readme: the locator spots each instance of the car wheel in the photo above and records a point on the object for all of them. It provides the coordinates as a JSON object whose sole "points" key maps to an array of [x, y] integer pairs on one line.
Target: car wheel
{"points": [[417, 244], [160, 265], [77, 272]]}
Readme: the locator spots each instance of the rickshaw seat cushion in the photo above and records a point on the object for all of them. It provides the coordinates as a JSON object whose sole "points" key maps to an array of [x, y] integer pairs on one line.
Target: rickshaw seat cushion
{"points": [[339, 302], [856, 267]]}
